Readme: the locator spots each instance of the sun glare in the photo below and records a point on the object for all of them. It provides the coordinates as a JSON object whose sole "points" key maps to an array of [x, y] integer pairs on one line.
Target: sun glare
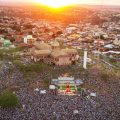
{"points": [[56, 3]]}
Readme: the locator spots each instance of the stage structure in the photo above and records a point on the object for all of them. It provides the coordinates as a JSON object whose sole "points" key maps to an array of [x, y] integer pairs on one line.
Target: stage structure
{"points": [[66, 85]]}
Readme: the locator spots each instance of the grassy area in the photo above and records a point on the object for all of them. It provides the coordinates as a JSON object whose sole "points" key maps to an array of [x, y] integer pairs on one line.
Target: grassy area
{"points": [[13, 50], [116, 64], [34, 67], [8, 99], [46, 82], [9, 53], [105, 72], [104, 76], [30, 71]]}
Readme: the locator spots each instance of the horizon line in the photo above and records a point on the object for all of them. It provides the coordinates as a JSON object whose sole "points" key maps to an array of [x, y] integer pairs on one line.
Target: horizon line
{"points": [[32, 4]]}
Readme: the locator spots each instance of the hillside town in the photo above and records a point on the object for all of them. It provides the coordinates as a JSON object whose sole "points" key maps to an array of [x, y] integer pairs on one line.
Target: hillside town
{"points": [[16, 31], [65, 69]]}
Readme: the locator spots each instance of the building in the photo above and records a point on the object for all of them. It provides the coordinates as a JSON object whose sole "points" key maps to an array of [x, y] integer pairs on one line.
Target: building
{"points": [[53, 54], [7, 43], [29, 39], [41, 52]]}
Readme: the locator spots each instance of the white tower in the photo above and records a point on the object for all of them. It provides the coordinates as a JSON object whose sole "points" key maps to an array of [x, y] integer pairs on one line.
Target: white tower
{"points": [[85, 59]]}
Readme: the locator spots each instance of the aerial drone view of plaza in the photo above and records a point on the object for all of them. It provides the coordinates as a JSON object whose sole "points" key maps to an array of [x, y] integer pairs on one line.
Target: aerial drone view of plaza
{"points": [[60, 60]]}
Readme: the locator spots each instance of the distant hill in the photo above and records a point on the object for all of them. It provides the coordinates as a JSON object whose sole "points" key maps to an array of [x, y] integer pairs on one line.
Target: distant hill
{"points": [[65, 14], [69, 14]]}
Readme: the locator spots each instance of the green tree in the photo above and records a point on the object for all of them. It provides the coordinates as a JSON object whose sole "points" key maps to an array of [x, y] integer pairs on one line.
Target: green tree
{"points": [[8, 99]]}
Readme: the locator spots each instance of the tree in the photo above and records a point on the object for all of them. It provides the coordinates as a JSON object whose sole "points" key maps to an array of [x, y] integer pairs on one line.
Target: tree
{"points": [[12, 39], [8, 99]]}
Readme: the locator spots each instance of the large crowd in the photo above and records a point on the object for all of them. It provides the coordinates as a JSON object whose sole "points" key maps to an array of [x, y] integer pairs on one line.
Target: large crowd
{"points": [[36, 106]]}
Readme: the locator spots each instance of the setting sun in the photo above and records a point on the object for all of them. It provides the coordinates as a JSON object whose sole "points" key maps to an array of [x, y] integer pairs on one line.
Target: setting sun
{"points": [[56, 3]]}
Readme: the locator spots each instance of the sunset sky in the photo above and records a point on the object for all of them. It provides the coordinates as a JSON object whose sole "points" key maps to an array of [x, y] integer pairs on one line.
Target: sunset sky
{"points": [[108, 2]]}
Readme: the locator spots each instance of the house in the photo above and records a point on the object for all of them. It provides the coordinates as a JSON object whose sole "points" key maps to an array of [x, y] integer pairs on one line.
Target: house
{"points": [[7, 43], [69, 30], [29, 39]]}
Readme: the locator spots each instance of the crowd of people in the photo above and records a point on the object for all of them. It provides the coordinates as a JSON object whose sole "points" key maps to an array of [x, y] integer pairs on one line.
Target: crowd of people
{"points": [[36, 106]]}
